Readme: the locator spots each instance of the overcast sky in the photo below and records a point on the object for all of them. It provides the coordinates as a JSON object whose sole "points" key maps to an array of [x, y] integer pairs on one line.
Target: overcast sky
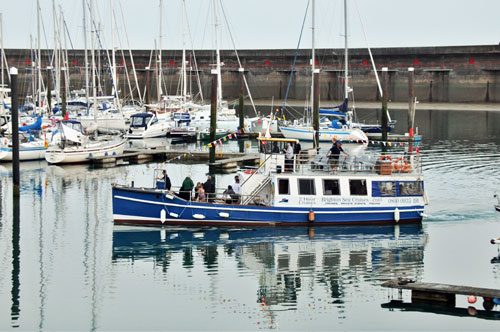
{"points": [[262, 24]]}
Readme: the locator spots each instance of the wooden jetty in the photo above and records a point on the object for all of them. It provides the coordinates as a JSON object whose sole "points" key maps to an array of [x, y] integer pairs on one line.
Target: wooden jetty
{"points": [[231, 163], [441, 293], [138, 156]]}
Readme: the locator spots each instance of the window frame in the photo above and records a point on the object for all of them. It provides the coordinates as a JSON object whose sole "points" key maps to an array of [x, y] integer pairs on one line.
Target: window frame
{"points": [[313, 186], [365, 186], [339, 192], [279, 187]]}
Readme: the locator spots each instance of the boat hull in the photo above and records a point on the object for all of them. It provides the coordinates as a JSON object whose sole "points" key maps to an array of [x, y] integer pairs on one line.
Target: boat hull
{"points": [[81, 154], [144, 207], [28, 151], [307, 134]]}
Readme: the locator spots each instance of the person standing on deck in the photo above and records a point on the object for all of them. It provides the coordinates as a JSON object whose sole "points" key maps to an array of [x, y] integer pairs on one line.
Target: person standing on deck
{"points": [[209, 188], [166, 179], [288, 157], [334, 154], [236, 187], [186, 188], [297, 151]]}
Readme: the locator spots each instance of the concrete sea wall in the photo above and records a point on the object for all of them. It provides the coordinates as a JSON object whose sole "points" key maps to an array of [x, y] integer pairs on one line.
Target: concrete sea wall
{"points": [[456, 74]]}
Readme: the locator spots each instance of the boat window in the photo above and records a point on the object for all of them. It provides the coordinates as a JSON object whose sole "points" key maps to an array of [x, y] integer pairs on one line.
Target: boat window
{"points": [[306, 187], [387, 188], [137, 121], [357, 187], [331, 187], [411, 188], [283, 187], [155, 120]]}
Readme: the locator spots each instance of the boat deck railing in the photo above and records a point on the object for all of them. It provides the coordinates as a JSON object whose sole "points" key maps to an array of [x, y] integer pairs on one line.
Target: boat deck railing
{"points": [[382, 164], [219, 197]]}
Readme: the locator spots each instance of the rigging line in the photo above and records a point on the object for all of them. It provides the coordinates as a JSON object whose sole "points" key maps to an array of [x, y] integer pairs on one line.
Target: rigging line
{"points": [[295, 57], [200, 90], [238, 57], [369, 50]]}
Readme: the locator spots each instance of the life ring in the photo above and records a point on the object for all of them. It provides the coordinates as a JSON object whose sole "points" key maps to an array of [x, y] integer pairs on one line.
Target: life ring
{"points": [[401, 165], [386, 157]]}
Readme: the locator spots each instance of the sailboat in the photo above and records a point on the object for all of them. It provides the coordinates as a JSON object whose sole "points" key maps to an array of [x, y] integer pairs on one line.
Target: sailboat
{"points": [[343, 129], [72, 144]]}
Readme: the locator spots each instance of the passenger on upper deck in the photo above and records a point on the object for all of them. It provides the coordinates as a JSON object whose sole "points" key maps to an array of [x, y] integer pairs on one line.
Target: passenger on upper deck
{"points": [[288, 157], [334, 154]]}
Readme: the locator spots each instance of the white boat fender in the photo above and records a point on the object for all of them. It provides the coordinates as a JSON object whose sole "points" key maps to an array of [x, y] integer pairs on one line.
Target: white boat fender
{"points": [[224, 236], [495, 241], [174, 215], [169, 196], [396, 215], [223, 214], [198, 216], [163, 215]]}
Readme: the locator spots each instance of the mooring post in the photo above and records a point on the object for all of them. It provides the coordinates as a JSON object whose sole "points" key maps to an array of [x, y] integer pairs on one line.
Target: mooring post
{"points": [[148, 92], [411, 100], [213, 115], [241, 105], [15, 131], [316, 109], [385, 99], [63, 90]]}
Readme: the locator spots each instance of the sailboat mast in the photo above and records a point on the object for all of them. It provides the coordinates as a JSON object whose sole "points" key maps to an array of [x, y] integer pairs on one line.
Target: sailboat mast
{"points": [[56, 53], [86, 56], [39, 66], [184, 78], [313, 55], [159, 56], [217, 52], [92, 54], [346, 55], [116, 101]]}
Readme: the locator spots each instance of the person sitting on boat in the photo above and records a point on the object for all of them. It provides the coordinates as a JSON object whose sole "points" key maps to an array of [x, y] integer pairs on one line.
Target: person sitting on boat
{"points": [[201, 197], [229, 195], [196, 190], [288, 157], [209, 187], [334, 154], [186, 188]]}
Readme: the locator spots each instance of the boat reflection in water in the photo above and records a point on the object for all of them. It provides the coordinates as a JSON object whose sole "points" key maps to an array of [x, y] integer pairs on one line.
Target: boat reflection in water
{"points": [[284, 258]]}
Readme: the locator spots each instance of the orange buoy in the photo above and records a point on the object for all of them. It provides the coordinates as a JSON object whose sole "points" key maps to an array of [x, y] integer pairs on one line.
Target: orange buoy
{"points": [[311, 216]]}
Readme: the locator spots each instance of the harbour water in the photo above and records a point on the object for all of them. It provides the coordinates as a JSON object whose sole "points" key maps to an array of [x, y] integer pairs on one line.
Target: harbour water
{"points": [[75, 270]]}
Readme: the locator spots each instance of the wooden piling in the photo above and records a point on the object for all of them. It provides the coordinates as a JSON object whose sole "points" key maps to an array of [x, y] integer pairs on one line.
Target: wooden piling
{"points": [[15, 131], [241, 105], [316, 109], [411, 100], [213, 115], [385, 99]]}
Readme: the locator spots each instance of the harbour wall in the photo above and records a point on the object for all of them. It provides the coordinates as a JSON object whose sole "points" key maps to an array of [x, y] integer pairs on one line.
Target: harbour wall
{"points": [[455, 74]]}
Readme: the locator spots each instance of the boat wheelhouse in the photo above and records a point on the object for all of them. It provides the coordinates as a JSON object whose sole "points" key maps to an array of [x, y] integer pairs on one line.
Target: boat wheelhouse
{"points": [[285, 190], [147, 125]]}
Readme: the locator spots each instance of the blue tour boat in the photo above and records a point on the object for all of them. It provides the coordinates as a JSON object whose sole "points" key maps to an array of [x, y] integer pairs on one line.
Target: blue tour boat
{"points": [[306, 191]]}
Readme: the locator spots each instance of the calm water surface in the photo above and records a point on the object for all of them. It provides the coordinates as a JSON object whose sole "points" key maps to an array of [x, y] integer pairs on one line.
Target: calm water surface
{"points": [[76, 271]]}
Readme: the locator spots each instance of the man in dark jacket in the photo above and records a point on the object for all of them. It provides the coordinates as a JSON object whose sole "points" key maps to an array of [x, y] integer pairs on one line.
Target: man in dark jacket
{"points": [[209, 188], [334, 154], [166, 179]]}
